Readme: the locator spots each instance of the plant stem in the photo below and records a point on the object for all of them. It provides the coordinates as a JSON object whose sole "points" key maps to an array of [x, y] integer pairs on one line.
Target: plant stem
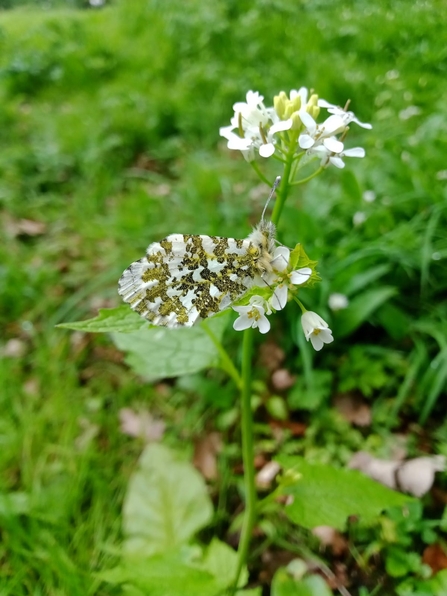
{"points": [[282, 192], [247, 454], [226, 362]]}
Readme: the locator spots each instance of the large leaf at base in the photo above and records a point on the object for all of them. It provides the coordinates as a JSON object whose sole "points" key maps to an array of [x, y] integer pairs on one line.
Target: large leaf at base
{"points": [[122, 319], [166, 503], [189, 570], [158, 352], [326, 496], [168, 574]]}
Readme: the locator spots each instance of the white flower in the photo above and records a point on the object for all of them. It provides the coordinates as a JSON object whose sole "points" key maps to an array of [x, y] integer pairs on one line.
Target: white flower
{"points": [[338, 301], [252, 315], [359, 218], [280, 263], [330, 155], [369, 196], [346, 116], [321, 134], [258, 126], [316, 329]]}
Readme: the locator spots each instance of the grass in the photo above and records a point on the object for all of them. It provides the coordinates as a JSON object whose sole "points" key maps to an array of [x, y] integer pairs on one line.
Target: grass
{"points": [[109, 137]]}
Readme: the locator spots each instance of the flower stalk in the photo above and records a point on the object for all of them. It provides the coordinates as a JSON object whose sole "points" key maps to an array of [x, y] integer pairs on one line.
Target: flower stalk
{"points": [[247, 455]]}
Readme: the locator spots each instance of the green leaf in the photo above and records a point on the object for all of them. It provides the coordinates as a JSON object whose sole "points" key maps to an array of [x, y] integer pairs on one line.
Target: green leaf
{"points": [[166, 503], [222, 561], [361, 307], [15, 503], [158, 352], [285, 585], [326, 496], [394, 320], [362, 279], [168, 574], [183, 571], [122, 319], [298, 259]]}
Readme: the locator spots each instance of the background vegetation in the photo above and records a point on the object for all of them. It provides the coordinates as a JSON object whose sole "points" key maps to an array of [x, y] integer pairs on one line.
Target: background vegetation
{"points": [[109, 140]]}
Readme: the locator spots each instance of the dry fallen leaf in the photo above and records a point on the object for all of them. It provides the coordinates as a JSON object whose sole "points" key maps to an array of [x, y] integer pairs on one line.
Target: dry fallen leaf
{"points": [[23, 227], [141, 424], [267, 474], [353, 409], [205, 454], [282, 379], [435, 557], [14, 348], [271, 356], [414, 476], [332, 538]]}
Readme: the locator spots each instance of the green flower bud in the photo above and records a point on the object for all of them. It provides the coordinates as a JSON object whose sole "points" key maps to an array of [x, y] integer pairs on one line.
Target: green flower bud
{"points": [[279, 103], [315, 112], [296, 121], [312, 106], [296, 103]]}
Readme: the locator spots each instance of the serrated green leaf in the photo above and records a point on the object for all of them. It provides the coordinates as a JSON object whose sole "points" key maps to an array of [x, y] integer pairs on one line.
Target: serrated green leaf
{"points": [[158, 352], [326, 496], [122, 319], [166, 503], [358, 311], [298, 258]]}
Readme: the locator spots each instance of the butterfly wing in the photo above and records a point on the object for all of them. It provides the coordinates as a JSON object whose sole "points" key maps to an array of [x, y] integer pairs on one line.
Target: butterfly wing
{"points": [[185, 278]]}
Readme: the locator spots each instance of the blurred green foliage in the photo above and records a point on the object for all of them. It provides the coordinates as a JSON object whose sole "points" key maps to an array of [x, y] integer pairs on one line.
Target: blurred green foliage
{"points": [[109, 140]]}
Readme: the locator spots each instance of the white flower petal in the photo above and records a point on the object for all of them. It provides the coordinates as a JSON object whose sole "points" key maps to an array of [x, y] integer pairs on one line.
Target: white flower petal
{"points": [[279, 297], [354, 152], [267, 150], [263, 324], [362, 124], [316, 341], [302, 92], [226, 131], [305, 141], [300, 276], [333, 145], [280, 126], [308, 121], [239, 143], [333, 125], [281, 258], [337, 162], [241, 323], [322, 103]]}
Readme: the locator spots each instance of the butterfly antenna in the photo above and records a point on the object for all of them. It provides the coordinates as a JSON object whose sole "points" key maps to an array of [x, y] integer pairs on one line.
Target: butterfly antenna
{"points": [[272, 192]]}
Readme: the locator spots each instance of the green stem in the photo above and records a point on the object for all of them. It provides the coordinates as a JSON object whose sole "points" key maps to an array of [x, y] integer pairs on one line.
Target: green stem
{"points": [[226, 362], [256, 168], [303, 180], [282, 192], [247, 455]]}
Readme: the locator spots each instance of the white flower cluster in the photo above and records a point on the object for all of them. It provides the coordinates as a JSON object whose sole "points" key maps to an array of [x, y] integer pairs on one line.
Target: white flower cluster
{"points": [[254, 314], [257, 128]]}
